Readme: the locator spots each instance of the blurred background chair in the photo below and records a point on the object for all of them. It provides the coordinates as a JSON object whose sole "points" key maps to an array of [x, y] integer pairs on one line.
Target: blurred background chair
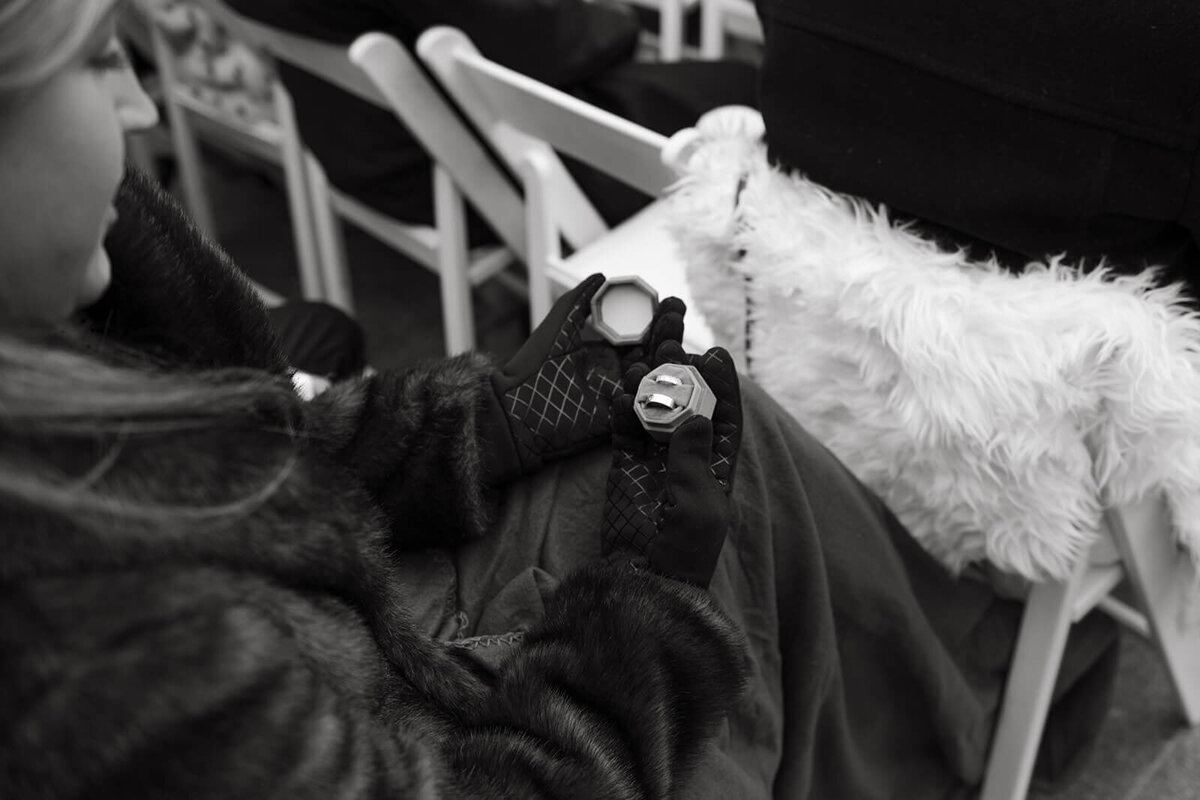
{"points": [[442, 247], [239, 107], [526, 121]]}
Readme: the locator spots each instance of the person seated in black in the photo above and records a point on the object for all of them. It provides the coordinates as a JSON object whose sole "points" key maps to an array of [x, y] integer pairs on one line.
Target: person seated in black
{"points": [[582, 47], [1024, 129]]}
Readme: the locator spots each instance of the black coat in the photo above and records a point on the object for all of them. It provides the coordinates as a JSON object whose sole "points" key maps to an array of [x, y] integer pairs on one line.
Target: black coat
{"points": [[270, 652], [1035, 126]]}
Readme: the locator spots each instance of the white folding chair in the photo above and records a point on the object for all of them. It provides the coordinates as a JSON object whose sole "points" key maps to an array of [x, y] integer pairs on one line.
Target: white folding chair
{"points": [[722, 18], [1160, 575], [526, 121], [191, 119], [442, 247]]}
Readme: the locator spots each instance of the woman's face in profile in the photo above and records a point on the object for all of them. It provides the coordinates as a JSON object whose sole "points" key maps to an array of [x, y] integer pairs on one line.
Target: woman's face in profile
{"points": [[61, 160]]}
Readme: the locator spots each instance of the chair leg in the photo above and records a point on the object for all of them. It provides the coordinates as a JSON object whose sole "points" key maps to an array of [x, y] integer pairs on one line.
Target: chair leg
{"points": [[670, 30], [541, 234], [300, 199], [191, 170], [712, 29], [1036, 660], [1162, 576], [453, 264], [334, 284], [183, 140]]}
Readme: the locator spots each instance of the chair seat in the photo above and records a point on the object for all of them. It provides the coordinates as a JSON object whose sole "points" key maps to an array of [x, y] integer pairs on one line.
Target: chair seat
{"points": [[643, 246]]}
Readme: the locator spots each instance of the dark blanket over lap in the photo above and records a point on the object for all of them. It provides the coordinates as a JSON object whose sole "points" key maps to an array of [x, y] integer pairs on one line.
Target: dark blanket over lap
{"points": [[875, 674]]}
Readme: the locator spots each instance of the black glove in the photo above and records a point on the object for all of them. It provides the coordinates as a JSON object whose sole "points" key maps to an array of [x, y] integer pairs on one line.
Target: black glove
{"points": [[668, 505], [554, 397]]}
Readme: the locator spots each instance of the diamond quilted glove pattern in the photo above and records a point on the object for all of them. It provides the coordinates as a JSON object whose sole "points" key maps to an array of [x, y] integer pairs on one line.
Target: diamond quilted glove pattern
{"points": [[555, 396], [563, 407], [668, 504]]}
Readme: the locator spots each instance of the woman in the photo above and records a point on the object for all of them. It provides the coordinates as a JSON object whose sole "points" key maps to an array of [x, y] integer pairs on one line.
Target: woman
{"points": [[197, 589], [211, 589]]}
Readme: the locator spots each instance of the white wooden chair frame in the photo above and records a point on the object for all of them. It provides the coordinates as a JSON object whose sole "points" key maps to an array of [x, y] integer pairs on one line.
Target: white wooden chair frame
{"points": [[190, 119], [442, 248], [1160, 575], [526, 121], [721, 18]]}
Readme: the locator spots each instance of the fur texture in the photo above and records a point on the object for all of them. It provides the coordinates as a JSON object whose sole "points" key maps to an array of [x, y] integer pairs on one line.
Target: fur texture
{"points": [[271, 652], [175, 295], [995, 413], [410, 437]]}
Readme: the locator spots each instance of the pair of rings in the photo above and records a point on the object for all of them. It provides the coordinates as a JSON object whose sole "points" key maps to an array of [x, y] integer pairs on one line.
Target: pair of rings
{"points": [[664, 401]]}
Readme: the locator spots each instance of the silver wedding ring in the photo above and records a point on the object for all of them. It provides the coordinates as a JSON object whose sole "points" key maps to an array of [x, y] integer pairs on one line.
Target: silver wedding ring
{"points": [[659, 401]]}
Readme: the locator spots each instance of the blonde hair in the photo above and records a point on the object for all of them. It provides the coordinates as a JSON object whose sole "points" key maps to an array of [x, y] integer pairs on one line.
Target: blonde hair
{"points": [[40, 37], [56, 399]]}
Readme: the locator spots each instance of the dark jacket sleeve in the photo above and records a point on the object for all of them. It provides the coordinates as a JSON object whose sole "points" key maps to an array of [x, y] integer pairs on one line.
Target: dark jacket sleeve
{"points": [[412, 438], [175, 295], [612, 696]]}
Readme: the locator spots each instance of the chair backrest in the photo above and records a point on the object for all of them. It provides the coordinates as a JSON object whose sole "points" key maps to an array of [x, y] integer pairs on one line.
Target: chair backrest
{"points": [[414, 99], [527, 121], [522, 116]]}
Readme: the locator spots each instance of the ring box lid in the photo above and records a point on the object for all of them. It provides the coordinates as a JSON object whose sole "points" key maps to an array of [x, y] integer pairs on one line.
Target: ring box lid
{"points": [[623, 309], [686, 394]]}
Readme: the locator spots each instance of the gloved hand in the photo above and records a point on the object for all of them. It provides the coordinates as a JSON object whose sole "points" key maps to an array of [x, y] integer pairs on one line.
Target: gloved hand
{"points": [[554, 397], [668, 505]]}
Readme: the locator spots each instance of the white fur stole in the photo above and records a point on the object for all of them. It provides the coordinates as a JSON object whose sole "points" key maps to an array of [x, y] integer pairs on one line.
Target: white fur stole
{"points": [[996, 414]]}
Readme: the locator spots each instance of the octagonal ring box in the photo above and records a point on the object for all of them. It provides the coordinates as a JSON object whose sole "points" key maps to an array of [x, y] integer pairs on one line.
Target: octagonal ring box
{"points": [[669, 396], [623, 309]]}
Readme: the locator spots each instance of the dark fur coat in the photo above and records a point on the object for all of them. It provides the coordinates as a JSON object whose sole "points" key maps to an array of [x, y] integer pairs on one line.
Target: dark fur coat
{"points": [[269, 652]]}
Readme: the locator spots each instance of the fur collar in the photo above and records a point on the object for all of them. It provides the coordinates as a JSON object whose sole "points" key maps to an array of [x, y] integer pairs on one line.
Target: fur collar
{"points": [[995, 413], [175, 295]]}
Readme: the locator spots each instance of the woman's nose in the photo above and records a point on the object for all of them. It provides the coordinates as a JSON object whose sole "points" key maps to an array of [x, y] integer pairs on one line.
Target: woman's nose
{"points": [[135, 110]]}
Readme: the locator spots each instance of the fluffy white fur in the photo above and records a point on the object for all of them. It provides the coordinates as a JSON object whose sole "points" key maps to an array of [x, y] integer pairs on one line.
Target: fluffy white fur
{"points": [[996, 414]]}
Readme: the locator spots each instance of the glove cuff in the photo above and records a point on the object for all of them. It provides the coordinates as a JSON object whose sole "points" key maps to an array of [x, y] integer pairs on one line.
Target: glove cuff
{"points": [[501, 463]]}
